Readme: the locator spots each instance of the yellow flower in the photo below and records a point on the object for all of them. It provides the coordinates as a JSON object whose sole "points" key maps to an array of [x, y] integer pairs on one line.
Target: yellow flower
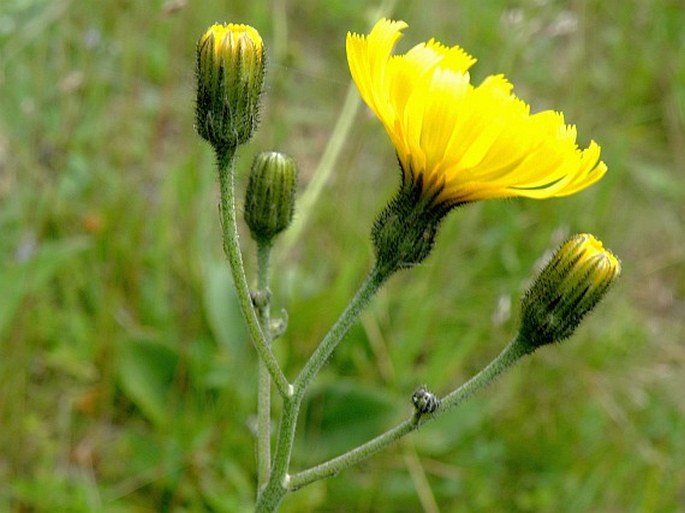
{"points": [[230, 76], [599, 265], [576, 278], [459, 142], [227, 33]]}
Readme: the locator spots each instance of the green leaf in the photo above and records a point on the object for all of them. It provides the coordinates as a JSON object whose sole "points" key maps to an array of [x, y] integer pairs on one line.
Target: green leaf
{"points": [[146, 373]]}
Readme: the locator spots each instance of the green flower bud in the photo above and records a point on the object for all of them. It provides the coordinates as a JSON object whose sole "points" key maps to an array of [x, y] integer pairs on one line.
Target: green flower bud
{"points": [[571, 284], [270, 195], [230, 78]]}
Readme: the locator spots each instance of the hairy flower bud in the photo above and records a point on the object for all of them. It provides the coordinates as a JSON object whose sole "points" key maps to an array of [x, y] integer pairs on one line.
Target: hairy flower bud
{"points": [[230, 78], [571, 284], [270, 195]]}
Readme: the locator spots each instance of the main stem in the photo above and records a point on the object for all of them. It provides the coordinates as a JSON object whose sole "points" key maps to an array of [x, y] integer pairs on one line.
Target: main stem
{"points": [[509, 355], [279, 482], [263, 377], [229, 226]]}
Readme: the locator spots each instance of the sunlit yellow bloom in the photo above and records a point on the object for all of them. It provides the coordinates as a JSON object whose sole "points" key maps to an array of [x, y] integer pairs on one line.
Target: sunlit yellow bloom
{"points": [[461, 142]]}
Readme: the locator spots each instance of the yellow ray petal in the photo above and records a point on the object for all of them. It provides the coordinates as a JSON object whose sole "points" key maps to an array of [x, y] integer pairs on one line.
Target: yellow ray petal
{"points": [[476, 142]]}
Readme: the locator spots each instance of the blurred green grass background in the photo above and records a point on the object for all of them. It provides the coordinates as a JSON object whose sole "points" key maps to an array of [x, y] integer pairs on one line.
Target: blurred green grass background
{"points": [[126, 378]]}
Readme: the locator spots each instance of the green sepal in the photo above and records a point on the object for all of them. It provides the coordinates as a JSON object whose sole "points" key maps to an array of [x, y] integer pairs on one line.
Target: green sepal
{"points": [[404, 232]]}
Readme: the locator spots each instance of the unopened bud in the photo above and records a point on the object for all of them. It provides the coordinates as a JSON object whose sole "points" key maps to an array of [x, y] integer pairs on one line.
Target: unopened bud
{"points": [[570, 286], [230, 78], [270, 195]]}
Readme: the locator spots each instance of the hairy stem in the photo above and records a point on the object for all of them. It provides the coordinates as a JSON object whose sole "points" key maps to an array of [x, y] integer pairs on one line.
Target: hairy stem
{"points": [[263, 377], [279, 482], [511, 353], [229, 226]]}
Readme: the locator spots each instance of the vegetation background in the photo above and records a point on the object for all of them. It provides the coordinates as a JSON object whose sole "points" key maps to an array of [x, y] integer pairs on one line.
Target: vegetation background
{"points": [[126, 378]]}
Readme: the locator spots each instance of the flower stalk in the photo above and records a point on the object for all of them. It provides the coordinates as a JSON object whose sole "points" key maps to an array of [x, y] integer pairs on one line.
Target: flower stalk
{"points": [[263, 376], [229, 226], [278, 484], [507, 358]]}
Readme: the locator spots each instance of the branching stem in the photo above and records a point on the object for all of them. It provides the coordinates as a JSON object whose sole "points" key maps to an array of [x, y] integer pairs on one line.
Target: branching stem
{"points": [[279, 481], [226, 165], [511, 353]]}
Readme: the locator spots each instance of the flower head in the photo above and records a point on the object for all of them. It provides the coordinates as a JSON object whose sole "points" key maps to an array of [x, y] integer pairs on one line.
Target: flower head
{"points": [[270, 195], [230, 76], [570, 286], [461, 142]]}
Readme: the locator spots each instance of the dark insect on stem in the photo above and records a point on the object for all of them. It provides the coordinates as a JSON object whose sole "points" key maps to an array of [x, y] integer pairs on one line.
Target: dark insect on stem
{"points": [[424, 400]]}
